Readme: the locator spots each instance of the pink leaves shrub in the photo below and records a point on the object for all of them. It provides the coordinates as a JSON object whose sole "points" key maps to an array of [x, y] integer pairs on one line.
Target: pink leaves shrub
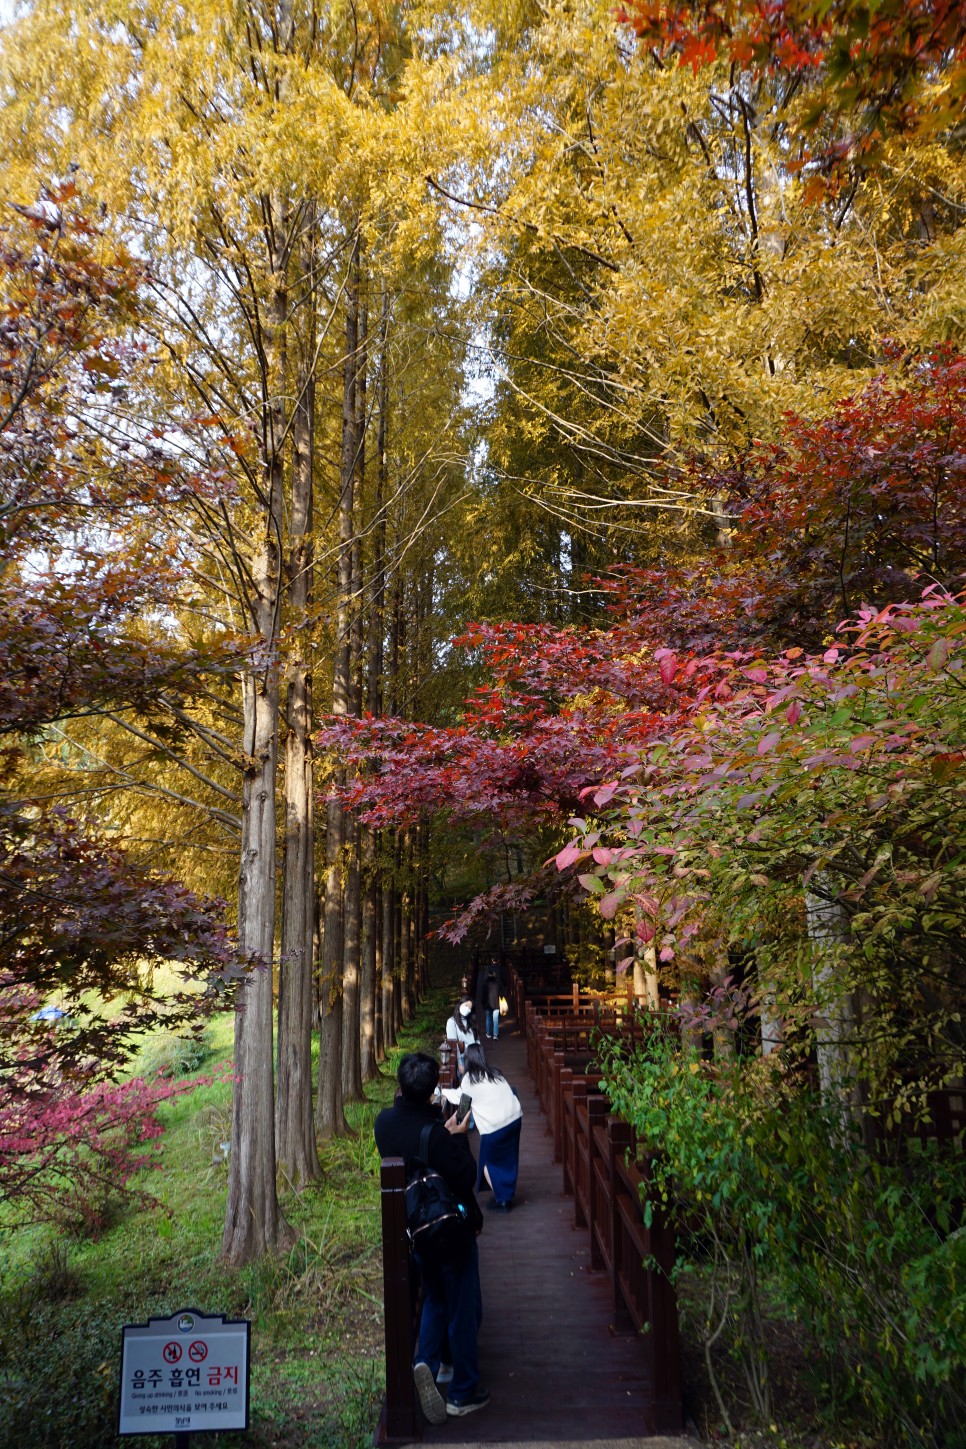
{"points": [[69, 1158]]}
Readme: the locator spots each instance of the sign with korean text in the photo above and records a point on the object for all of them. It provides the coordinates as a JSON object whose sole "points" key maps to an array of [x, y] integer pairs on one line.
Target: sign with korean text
{"points": [[186, 1374]]}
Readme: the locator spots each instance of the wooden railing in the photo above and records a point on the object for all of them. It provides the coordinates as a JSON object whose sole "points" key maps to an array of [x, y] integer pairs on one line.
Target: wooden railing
{"points": [[399, 1422], [608, 1178]]}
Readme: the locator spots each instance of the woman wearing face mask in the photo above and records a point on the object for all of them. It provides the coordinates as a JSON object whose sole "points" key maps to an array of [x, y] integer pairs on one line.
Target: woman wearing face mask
{"points": [[461, 1032]]}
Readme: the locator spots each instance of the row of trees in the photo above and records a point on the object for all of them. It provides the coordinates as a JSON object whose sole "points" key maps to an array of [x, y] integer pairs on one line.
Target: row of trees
{"points": [[294, 343], [689, 275], [757, 757], [90, 569]]}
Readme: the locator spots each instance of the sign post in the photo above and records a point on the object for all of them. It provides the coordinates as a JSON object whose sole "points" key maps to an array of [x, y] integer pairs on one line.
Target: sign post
{"points": [[183, 1375]]}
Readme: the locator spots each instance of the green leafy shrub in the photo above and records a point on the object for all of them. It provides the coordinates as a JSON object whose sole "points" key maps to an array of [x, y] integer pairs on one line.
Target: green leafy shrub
{"points": [[174, 1055], [54, 1279], [772, 1188], [58, 1374]]}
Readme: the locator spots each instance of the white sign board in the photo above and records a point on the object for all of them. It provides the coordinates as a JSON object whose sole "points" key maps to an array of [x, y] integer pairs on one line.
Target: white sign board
{"points": [[184, 1374], [550, 950]]}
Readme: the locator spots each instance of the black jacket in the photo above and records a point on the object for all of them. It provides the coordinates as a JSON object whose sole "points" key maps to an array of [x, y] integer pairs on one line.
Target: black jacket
{"points": [[490, 987], [398, 1130]]}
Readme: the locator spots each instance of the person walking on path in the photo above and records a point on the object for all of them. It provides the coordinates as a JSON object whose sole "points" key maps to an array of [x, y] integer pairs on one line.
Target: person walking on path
{"points": [[499, 1118], [452, 1299], [489, 990]]}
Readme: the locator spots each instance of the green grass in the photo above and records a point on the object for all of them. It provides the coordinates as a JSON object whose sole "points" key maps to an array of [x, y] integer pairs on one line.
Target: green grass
{"points": [[316, 1312]]}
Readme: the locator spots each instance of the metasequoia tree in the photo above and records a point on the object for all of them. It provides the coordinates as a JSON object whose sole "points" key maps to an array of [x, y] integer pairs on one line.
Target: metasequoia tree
{"points": [[401, 469], [662, 275], [247, 132], [295, 1128]]}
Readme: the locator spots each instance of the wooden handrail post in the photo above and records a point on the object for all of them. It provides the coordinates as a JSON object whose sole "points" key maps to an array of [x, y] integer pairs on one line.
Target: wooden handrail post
{"points": [[557, 1067], [663, 1317], [580, 1100], [399, 1422], [597, 1110], [564, 1088], [620, 1140]]}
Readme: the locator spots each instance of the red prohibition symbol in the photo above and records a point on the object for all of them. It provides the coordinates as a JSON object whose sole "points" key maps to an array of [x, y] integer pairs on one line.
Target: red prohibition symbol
{"points": [[171, 1352], [198, 1351]]}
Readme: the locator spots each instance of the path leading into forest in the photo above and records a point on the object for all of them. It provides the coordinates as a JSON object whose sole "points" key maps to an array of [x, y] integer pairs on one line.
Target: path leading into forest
{"points": [[557, 1371]]}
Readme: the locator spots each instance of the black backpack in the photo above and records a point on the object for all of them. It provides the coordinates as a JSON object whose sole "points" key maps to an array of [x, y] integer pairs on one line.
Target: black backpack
{"points": [[437, 1226]]}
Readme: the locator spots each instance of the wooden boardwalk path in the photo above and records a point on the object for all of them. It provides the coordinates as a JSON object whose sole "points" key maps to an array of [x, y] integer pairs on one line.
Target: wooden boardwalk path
{"points": [[557, 1371]]}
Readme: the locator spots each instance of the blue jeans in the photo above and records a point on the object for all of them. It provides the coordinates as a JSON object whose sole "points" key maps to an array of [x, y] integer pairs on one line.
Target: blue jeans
{"points": [[453, 1308], [492, 1017]]}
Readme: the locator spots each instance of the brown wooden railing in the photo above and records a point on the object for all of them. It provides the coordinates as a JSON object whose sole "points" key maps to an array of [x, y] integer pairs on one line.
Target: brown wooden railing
{"points": [[399, 1422], [608, 1177]]}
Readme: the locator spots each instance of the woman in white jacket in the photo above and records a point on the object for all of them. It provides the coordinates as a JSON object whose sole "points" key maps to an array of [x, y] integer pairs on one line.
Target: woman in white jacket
{"points": [[498, 1117], [461, 1032]]}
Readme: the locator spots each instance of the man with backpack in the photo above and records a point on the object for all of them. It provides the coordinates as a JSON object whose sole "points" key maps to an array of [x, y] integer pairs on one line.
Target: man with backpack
{"points": [[445, 1252]]}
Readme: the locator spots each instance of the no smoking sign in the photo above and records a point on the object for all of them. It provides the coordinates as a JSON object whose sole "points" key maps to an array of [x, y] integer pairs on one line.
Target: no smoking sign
{"points": [[186, 1374]]}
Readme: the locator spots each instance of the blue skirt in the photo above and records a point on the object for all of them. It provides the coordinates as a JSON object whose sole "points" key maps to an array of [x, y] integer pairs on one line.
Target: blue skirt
{"points": [[500, 1155]]}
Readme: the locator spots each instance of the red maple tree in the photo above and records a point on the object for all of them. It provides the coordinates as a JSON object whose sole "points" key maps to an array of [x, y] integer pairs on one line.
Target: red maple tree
{"points": [[862, 508]]}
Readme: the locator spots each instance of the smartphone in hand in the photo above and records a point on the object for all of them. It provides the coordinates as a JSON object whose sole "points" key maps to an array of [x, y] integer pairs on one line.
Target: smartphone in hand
{"points": [[463, 1110]]}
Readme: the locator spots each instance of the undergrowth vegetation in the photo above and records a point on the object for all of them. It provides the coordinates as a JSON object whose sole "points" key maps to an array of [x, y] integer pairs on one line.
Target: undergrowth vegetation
{"points": [[785, 1213], [316, 1311]]}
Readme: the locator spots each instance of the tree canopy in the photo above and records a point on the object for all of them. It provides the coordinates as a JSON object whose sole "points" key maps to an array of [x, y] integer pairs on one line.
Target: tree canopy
{"points": [[478, 453]]}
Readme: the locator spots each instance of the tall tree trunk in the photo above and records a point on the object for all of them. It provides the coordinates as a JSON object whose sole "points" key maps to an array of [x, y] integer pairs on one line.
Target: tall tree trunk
{"points": [[400, 947], [377, 609], [422, 910], [330, 1115], [406, 961], [253, 1223], [378, 1021], [352, 944], [835, 1036], [374, 1036], [367, 973], [297, 1153], [351, 964], [646, 979], [389, 1021]]}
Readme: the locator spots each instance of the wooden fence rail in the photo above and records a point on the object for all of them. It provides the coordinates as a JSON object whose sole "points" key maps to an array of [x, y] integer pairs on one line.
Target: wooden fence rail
{"points": [[399, 1422], [608, 1178]]}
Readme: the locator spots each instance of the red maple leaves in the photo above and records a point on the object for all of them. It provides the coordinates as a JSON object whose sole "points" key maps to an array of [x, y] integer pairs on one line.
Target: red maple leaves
{"points": [[849, 514]]}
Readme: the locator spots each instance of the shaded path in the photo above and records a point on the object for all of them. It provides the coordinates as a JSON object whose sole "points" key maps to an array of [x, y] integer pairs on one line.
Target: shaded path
{"points": [[557, 1371]]}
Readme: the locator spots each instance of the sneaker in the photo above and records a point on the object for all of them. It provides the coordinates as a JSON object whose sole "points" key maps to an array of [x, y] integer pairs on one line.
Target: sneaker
{"points": [[476, 1400], [445, 1375], [431, 1400]]}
